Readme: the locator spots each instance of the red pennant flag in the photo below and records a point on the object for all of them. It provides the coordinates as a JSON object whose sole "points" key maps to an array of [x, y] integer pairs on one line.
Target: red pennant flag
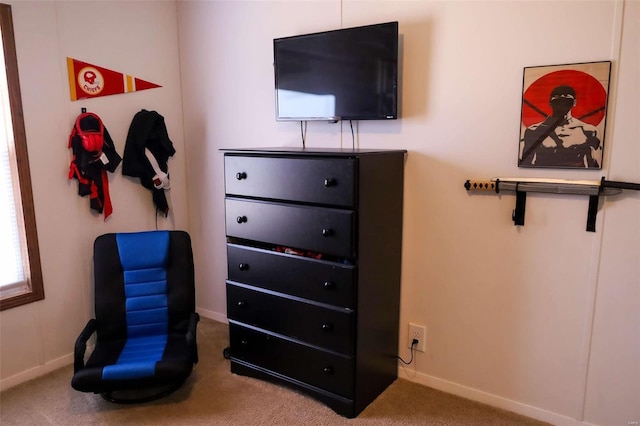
{"points": [[91, 81]]}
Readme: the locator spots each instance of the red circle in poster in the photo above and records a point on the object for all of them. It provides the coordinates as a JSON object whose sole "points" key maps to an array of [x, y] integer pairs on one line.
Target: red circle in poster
{"points": [[591, 97]]}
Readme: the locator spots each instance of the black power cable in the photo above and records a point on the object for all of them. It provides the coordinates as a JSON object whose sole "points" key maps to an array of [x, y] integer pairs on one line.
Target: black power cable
{"points": [[413, 343]]}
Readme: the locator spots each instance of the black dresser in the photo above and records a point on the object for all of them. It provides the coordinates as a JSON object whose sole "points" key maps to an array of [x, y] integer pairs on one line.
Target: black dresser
{"points": [[314, 239]]}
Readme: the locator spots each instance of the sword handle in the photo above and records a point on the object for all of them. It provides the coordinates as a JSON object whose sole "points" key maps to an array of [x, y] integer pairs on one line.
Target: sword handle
{"points": [[480, 185]]}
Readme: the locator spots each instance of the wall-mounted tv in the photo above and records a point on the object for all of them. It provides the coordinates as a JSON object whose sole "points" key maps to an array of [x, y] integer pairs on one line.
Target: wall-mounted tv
{"points": [[346, 74]]}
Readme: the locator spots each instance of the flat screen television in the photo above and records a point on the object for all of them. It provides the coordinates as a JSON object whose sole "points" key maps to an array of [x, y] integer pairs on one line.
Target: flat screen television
{"points": [[346, 74]]}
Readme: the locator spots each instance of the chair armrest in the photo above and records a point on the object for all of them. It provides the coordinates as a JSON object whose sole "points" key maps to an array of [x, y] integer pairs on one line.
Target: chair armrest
{"points": [[81, 344], [191, 336]]}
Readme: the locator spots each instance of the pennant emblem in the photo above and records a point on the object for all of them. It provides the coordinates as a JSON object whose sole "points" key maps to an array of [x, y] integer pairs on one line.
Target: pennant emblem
{"points": [[91, 81]]}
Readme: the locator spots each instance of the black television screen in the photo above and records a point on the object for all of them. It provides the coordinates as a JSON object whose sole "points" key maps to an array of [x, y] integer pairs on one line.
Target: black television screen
{"points": [[346, 74]]}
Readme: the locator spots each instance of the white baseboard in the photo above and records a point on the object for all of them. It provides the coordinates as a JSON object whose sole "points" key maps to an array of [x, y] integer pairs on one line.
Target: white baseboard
{"points": [[487, 398], [403, 372], [35, 372], [213, 315]]}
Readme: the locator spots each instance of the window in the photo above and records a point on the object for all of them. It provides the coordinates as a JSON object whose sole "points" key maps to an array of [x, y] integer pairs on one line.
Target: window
{"points": [[20, 272]]}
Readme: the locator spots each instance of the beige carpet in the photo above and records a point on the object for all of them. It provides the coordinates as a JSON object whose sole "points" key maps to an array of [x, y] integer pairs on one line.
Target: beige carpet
{"points": [[214, 396]]}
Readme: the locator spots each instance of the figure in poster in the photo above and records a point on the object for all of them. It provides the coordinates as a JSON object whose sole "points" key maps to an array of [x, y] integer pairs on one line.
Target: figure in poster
{"points": [[561, 140], [563, 116]]}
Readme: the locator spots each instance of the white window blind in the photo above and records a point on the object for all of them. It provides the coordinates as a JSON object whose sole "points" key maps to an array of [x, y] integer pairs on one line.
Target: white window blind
{"points": [[12, 270]]}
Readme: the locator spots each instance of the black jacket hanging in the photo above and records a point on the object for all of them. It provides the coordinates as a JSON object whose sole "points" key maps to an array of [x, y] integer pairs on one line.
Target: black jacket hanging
{"points": [[93, 155], [146, 153]]}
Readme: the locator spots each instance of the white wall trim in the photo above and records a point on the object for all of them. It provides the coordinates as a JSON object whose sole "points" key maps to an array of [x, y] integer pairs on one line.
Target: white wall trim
{"points": [[403, 372], [36, 372], [212, 315], [487, 398]]}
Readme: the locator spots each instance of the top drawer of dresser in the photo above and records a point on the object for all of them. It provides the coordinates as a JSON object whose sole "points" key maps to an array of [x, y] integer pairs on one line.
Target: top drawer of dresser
{"points": [[329, 181]]}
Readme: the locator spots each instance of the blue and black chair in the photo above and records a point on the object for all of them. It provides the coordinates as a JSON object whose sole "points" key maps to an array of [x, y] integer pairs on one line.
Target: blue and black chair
{"points": [[145, 320]]}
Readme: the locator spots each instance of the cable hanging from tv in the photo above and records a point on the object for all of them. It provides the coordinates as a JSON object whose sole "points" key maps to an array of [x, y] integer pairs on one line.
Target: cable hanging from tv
{"points": [[303, 133]]}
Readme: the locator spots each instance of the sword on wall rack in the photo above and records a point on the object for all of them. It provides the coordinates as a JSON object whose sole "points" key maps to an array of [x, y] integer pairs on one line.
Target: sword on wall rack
{"points": [[594, 189]]}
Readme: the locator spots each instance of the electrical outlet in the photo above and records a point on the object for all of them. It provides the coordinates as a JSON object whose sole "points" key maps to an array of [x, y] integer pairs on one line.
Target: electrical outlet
{"points": [[418, 332]]}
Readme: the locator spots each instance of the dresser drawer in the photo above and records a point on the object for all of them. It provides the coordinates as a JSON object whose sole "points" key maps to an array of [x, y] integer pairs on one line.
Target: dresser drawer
{"points": [[319, 280], [309, 180], [322, 326], [319, 229], [325, 370]]}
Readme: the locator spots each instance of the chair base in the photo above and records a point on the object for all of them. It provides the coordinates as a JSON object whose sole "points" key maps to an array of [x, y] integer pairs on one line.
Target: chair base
{"points": [[138, 396]]}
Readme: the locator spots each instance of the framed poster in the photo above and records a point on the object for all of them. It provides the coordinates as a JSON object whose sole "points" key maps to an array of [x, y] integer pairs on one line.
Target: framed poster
{"points": [[563, 116]]}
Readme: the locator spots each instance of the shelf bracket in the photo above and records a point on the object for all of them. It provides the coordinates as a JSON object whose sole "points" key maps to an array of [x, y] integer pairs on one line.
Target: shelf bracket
{"points": [[518, 212]]}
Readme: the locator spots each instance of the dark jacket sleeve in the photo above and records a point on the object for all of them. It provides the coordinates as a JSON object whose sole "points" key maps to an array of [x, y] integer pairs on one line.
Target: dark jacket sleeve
{"points": [[147, 130], [109, 149], [158, 141], [133, 163]]}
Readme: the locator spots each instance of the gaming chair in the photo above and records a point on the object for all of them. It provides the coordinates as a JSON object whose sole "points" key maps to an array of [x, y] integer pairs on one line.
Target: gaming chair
{"points": [[145, 320]]}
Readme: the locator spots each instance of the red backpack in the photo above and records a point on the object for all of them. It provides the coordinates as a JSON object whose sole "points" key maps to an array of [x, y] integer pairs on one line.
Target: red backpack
{"points": [[92, 139], [87, 142]]}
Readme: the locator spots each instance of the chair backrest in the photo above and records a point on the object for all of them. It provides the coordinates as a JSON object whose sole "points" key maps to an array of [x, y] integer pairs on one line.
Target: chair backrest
{"points": [[144, 284]]}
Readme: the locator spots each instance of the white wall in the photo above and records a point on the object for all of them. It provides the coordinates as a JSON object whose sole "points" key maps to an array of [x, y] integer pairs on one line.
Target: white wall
{"points": [[541, 319], [136, 38]]}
